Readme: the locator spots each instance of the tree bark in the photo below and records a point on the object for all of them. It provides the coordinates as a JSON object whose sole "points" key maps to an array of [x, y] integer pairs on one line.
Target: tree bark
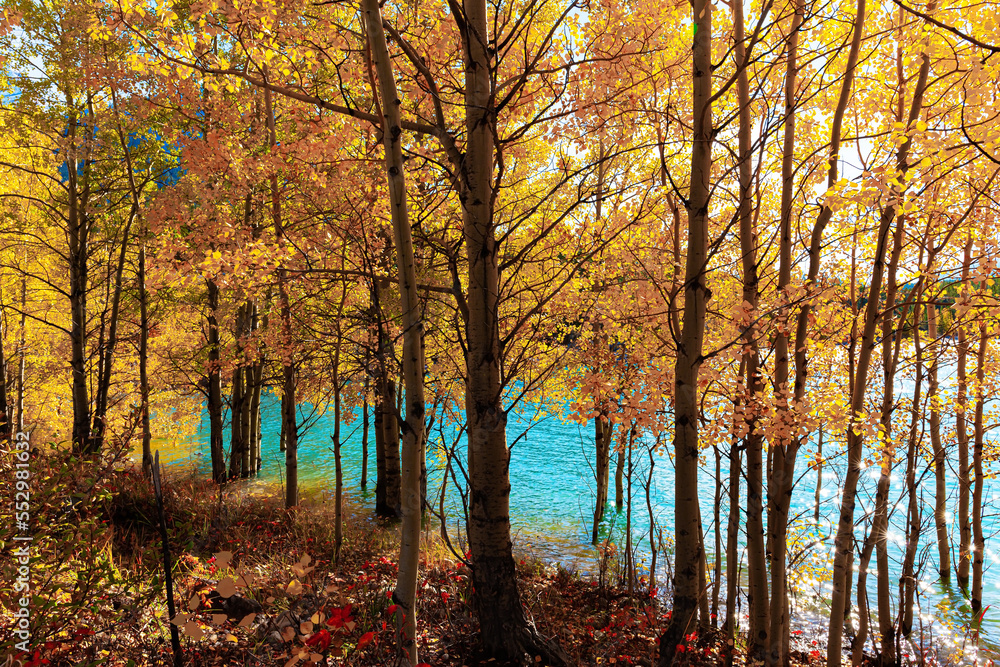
{"points": [[504, 630], [411, 497], [687, 513], [147, 455], [21, 348], [365, 423], [288, 402], [937, 447], [215, 387], [784, 443], [603, 430], [962, 434], [5, 416], [620, 475], [78, 236], [845, 525], [108, 350], [979, 431], [237, 440], [757, 593]]}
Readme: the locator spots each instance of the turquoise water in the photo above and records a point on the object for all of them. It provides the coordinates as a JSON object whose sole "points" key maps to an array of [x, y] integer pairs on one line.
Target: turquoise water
{"points": [[552, 491]]}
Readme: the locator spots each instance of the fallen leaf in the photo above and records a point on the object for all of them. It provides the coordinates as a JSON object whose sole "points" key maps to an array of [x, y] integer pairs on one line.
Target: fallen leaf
{"points": [[193, 630], [247, 620], [226, 587]]}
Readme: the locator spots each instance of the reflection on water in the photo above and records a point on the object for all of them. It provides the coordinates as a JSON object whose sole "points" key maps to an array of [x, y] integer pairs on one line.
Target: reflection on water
{"points": [[553, 489]]}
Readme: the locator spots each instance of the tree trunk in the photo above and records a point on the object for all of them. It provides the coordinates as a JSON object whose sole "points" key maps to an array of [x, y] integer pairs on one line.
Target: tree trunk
{"points": [[215, 387], [21, 348], [79, 252], [108, 350], [845, 526], [288, 402], [979, 431], [411, 497], [962, 435], [237, 441], [757, 593], [5, 420], [907, 578], [504, 630], [819, 474], [687, 513], [620, 475], [381, 497], [364, 434], [731, 627], [147, 454], [390, 452], [861, 637], [784, 446], [717, 530], [940, 490], [602, 441]]}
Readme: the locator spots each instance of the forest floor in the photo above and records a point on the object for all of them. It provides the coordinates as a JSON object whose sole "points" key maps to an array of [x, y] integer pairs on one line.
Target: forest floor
{"points": [[256, 584]]}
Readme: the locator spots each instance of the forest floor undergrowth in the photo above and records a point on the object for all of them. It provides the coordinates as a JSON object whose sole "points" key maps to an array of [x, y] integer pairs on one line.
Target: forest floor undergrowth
{"points": [[256, 584]]}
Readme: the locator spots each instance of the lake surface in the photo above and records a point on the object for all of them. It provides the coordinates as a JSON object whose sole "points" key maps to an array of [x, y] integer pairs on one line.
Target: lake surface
{"points": [[552, 504]]}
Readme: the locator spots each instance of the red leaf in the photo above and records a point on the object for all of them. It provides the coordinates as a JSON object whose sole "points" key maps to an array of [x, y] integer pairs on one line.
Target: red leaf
{"points": [[366, 639], [320, 640]]}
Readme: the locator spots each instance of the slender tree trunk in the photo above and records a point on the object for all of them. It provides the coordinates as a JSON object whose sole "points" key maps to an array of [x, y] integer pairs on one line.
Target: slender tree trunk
{"points": [[21, 349], [861, 637], [940, 489], [147, 455], [891, 341], [979, 431], [5, 417], [687, 513], [365, 423], [79, 252], [717, 530], [287, 354], [237, 441], [845, 526], [602, 439], [733, 561], [338, 498], [381, 496], [907, 578], [413, 347], [100, 415], [390, 451], [785, 443], [652, 524], [757, 593], [819, 474], [620, 475], [962, 435], [215, 387]]}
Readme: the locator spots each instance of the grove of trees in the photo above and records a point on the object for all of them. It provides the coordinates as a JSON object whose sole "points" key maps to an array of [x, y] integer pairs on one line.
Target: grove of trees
{"points": [[763, 235]]}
